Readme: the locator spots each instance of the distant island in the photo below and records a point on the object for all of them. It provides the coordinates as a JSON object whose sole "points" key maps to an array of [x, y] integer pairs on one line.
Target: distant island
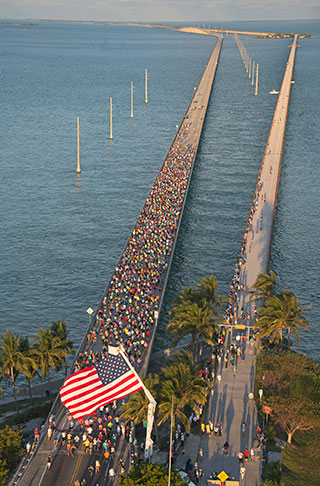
{"points": [[190, 29]]}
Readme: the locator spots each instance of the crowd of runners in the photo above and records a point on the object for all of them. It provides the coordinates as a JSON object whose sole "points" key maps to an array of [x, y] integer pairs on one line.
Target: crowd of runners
{"points": [[235, 308], [129, 309], [128, 312]]}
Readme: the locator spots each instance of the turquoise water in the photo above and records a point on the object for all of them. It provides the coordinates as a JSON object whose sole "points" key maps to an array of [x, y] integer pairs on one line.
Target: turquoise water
{"points": [[62, 234]]}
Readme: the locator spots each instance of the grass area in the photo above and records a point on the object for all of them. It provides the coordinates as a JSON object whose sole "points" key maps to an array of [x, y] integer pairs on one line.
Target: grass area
{"points": [[22, 404], [301, 460], [39, 409]]}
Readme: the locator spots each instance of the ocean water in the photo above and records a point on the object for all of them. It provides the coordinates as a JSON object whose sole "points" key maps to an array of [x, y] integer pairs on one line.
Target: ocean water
{"points": [[62, 234]]}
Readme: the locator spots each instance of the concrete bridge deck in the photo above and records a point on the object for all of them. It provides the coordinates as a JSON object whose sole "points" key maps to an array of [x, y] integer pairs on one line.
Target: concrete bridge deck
{"points": [[231, 403], [65, 469]]}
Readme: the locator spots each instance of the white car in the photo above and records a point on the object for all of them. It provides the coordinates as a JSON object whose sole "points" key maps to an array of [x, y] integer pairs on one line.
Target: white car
{"points": [[186, 478]]}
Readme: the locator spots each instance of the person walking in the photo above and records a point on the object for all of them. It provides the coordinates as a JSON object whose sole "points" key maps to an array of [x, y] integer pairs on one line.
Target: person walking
{"points": [[242, 472], [28, 448], [252, 454], [49, 462], [112, 474], [55, 438], [240, 457]]}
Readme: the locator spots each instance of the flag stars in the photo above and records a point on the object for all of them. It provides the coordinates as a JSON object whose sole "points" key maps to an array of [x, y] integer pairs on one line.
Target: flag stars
{"points": [[111, 368]]}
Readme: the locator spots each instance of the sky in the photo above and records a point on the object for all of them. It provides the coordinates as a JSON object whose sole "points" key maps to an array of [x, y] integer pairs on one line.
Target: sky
{"points": [[160, 10]]}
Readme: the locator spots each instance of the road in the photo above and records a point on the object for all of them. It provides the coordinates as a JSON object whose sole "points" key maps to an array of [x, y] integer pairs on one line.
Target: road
{"points": [[65, 469], [231, 403]]}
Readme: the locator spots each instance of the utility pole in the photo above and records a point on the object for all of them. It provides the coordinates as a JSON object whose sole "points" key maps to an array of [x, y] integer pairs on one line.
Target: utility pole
{"points": [[78, 146], [152, 403], [170, 444], [146, 88], [253, 66], [111, 136], [131, 99], [257, 77]]}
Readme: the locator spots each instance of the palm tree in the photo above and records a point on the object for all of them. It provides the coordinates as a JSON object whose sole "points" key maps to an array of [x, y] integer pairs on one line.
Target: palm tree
{"points": [[186, 297], [50, 351], [208, 287], [196, 320], [180, 389], [281, 313], [186, 358], [59, 329], [136, 408], [11, 359], [30, 366], [263, 287]]}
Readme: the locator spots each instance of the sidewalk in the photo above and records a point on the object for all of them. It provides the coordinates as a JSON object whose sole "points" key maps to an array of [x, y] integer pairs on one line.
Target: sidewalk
{"points": [[231, 406]]}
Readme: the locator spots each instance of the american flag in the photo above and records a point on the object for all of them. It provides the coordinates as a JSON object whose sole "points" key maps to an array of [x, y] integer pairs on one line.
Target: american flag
{"points": [[86, 390]]}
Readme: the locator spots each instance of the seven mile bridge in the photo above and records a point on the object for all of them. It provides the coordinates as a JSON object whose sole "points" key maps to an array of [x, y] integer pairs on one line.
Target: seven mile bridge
{"points": [[129, 309]]}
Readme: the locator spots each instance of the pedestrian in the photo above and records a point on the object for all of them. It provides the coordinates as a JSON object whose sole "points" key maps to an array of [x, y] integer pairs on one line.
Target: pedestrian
{"points": [[252, 454], [200, 454], [36, 435], [98, 465], [28, 448], [242, 472], [90, 470], [246, 455], [55, 438], [63, 437], [240, 457], [49, 462], [182, 439], [219, 379], [112, 474]]}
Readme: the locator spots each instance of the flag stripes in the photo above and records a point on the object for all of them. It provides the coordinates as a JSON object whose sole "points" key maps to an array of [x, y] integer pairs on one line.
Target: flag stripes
{"points": [[85, 391]]}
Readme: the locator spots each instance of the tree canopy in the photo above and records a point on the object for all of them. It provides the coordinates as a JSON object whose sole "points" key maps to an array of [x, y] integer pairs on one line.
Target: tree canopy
{"points": [[263, 287], [290, 384], [196, 313], [281, 315], [150, 475], [10, 451]]}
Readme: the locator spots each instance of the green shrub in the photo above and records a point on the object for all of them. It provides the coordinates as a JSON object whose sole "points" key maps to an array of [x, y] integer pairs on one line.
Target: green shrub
{"points": [[29, 414], [272, 472], [10, 451], [150, 475]]}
